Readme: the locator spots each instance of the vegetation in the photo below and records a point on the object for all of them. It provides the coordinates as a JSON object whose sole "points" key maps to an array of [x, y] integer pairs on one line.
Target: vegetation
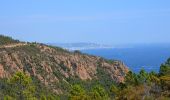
{"points": [[7, 40], [21, 87], [147, 86]]}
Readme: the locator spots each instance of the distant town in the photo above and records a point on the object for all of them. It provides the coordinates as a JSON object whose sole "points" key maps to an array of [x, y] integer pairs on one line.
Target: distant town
{"points": [[81, 46]]}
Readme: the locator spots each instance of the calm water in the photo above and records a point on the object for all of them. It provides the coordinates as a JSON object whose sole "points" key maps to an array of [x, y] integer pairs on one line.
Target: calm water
{"points": [[149, 57]]}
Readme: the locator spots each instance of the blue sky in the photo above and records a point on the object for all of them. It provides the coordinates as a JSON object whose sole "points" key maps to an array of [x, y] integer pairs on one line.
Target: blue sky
{"points": [[97, 21]]}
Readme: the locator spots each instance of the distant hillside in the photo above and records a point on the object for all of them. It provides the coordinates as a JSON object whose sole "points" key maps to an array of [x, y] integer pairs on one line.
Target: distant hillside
{"points": [[55, 67]]}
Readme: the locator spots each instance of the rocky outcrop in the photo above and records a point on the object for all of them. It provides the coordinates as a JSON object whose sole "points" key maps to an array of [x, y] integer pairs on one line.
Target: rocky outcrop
{"points": [[2, 74], [52, 65]]}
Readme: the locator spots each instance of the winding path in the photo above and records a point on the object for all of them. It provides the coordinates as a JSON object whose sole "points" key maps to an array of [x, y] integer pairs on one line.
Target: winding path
{"points": [[13, 45]]}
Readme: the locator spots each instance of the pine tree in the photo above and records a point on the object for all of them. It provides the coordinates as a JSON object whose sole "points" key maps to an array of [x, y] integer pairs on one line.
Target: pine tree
{"points": [[21, 86]]}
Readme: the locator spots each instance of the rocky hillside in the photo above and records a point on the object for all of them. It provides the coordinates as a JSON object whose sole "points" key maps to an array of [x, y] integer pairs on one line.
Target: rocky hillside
{"points": [[52, 66]]}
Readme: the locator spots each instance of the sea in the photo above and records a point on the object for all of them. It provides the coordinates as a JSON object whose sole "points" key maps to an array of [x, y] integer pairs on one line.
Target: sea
{"points": [[137, 57]]}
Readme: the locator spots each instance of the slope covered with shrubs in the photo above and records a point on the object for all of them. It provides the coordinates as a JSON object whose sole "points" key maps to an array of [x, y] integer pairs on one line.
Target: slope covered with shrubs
{"points": [[7, 40], [147, 86]]}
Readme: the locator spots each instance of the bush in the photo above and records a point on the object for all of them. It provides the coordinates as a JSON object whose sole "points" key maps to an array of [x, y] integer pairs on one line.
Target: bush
{"points": [[7, 40]]}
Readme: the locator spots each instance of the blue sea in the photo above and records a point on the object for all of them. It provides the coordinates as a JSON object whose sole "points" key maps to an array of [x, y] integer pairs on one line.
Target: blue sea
{"points": [[148, 57]]}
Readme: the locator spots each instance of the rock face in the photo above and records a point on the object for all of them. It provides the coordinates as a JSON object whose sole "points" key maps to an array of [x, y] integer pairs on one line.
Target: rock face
{"points": [[52, 65]]}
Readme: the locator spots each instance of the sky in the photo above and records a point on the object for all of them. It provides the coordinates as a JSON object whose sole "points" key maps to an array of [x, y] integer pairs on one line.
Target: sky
{"points": [[94, 21]]}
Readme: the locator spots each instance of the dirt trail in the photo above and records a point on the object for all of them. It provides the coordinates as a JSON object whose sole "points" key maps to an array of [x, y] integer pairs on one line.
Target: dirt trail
{"points": [[13, 45]]}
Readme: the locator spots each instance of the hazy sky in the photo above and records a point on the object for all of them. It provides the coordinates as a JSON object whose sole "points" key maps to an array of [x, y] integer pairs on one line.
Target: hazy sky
{"points": [[98, 21]]}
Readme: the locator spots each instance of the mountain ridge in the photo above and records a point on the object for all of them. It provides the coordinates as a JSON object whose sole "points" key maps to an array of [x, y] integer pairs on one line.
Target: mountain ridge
{"points": [[53, 65]]}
